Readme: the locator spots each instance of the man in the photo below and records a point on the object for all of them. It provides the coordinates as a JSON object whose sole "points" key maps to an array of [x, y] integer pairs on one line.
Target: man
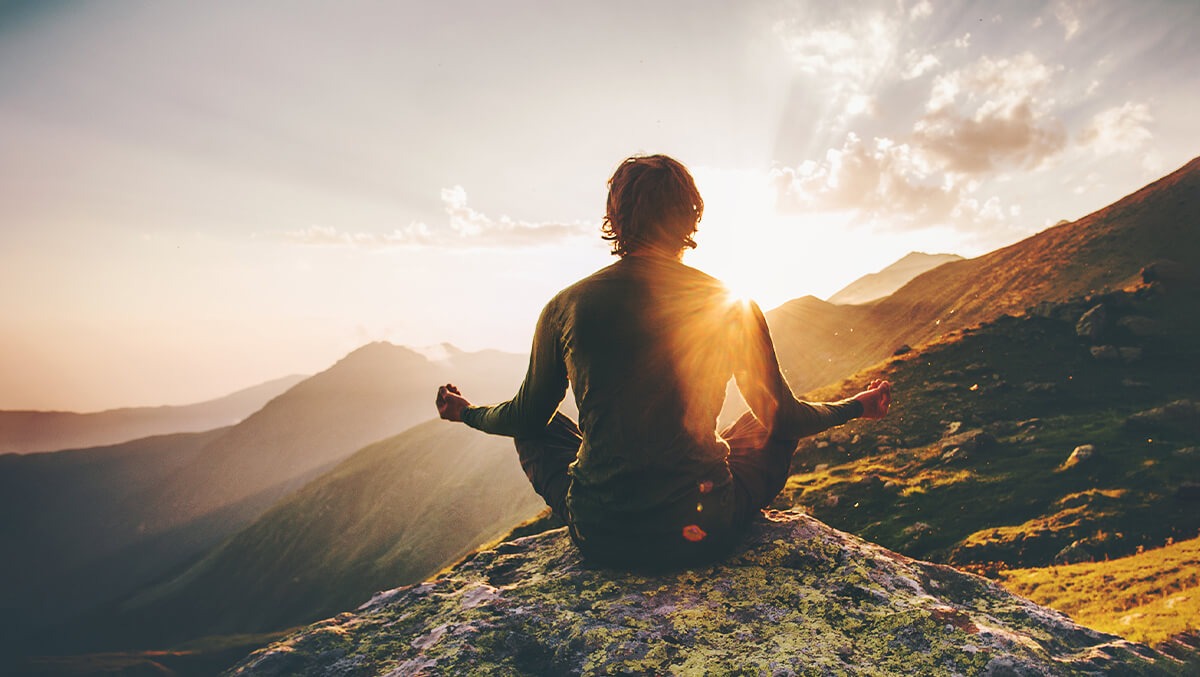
{"points": [[648, 346]]}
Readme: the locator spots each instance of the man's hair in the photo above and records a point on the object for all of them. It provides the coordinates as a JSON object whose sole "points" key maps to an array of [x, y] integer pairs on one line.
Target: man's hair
{"points": [[652, 201]]}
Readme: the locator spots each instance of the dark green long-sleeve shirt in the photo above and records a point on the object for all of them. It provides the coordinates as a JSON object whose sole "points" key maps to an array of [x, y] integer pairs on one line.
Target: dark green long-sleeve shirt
{"points": [[648, 345]]}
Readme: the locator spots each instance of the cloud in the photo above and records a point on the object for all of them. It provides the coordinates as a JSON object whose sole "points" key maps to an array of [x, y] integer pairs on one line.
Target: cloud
{"points": [[916, 64], [847, 52], [1067, 14], [921, 9], [466, 227], [894, 185], [1120, 129], [990, 114]]}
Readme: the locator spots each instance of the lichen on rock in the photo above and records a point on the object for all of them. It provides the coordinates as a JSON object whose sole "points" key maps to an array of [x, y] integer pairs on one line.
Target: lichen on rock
{"points": [[797, 598]]}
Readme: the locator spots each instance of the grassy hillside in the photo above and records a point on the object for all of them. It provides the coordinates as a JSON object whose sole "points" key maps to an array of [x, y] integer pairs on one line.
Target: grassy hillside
{"points": [[88, 526], [393, 513], [1147, 597], [31, 431], [971, 467]]}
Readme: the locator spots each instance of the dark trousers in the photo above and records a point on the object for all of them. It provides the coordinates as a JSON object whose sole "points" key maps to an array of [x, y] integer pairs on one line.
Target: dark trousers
{"points": [[759, 465]]}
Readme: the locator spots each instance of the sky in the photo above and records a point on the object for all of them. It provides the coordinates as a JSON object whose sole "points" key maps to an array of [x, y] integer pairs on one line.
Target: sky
{"points": [[197, 197]]}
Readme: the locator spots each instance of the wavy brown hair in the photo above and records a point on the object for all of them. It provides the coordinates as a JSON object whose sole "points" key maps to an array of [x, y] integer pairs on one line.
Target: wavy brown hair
{"points": [[652, 202]]}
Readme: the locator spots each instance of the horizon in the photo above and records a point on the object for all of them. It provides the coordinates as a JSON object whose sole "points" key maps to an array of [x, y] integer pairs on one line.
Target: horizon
{"points": [[200, 199]]}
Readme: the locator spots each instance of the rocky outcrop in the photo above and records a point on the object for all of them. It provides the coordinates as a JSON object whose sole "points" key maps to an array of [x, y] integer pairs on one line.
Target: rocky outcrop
{"points": [[798, 598]]}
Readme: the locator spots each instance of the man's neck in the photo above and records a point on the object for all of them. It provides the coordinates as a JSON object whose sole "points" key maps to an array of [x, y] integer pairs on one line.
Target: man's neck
{"points": [[657, 253]]}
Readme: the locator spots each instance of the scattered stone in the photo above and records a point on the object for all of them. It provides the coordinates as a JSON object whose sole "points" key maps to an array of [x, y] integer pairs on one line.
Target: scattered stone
{"points": [[1132, 383], [821, 467], [1179, 416], [1105, 353], [953, 427], [1188, 491], [972, 440], [1075, 553], [1081, 454], [1130, 354], [1187, 451], [902, 350], [1030, 423], [1140, 325], [822, 444], [1091, 325], [1046, 388]]}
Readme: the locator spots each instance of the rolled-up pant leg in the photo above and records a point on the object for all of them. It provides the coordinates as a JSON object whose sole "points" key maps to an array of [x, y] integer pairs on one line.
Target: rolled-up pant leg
{"points": [[545, 457], [758, 463]]}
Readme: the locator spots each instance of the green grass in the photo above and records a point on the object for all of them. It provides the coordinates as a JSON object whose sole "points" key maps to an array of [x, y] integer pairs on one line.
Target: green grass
{"points": [[1146, 597]]}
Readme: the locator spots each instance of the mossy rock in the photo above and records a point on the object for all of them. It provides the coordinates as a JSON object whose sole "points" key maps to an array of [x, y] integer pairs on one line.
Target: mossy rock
{"points": [[798, 597]]}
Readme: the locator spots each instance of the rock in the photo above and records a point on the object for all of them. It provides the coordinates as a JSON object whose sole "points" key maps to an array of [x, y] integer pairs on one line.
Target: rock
{"points": [[1105, 353], [1080, 454], [1075, 553], [1133, 383], [1187, 451], [1130, 354], [904, 349], [1091, 325], [1188, 491], [798, 597], [1047, 388], [1179, 416], [953, 427], [1140, 326], [972, 440]]}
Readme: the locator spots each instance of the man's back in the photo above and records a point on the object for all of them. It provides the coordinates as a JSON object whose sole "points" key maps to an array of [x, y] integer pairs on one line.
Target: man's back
{"points": [[647, 346]]}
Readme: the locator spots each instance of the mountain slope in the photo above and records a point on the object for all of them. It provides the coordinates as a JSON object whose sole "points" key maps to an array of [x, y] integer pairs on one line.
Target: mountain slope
{"points": [[395, 512], [30, 431], [92, 525], [799, 598], [819, 343], [973, 465], [883, 283]]}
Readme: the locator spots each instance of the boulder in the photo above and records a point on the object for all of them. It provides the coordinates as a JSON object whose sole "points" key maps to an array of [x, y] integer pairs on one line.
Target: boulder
{"points": [[798, 597], [1081, 454], [1091, 325], [1182, 416], [1075, 553]]}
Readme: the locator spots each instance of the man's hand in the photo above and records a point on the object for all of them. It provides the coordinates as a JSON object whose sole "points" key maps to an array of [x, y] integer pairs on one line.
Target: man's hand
{"points": [[876, 399], [450, 403]]}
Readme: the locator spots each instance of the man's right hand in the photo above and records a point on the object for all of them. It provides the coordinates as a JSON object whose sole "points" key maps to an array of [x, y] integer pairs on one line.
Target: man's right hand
{"points": [[876, 399], [450, 403]]}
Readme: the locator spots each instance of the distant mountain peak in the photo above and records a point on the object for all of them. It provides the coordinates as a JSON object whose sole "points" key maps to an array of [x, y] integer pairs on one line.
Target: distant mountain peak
{"points": [[883, 283]]}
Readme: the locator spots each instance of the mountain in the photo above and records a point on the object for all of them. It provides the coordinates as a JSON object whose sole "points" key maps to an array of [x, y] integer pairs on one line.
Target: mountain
{"points": [[798, 598], [883, 283], [23, 432], [91, 526], [820, 342], [395, 512]]}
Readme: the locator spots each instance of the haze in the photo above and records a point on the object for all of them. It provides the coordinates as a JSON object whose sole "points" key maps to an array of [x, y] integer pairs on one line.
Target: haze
{"points": [[198, 197]]}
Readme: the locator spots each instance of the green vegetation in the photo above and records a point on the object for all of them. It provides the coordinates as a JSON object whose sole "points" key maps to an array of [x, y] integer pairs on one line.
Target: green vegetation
{"points": [[1146, 597]]}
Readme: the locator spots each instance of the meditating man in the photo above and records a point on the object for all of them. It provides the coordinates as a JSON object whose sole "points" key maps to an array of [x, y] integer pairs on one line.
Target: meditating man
{"points": [[648, 346]]}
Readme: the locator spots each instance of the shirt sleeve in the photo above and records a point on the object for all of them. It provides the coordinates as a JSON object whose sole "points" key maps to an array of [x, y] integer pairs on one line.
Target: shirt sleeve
{"points": [[545, 384], [767, 392]]}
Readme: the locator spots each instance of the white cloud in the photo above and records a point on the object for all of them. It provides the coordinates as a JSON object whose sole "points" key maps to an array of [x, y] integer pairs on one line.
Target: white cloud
{"points": [[916, 64], [467, 227], [1067, 14], [963, 42], [991, 114], [1120, 129], [921, 9], [893, 185], [848, 53]]}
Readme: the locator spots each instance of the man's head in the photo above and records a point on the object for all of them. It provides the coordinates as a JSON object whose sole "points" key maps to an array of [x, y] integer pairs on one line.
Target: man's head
{"points": [[652, 204]]}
